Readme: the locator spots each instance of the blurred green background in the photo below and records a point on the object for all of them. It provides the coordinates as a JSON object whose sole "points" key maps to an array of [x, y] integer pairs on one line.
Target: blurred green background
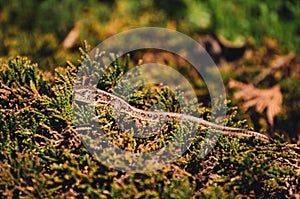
{"points": [[38, 29]]}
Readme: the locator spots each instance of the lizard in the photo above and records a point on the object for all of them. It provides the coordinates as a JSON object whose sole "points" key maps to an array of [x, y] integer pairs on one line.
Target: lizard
{"points": [[94, 96]]}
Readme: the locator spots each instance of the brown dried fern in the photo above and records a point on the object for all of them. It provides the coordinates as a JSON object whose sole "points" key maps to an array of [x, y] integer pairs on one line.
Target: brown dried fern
{"points": [[262, 99]]}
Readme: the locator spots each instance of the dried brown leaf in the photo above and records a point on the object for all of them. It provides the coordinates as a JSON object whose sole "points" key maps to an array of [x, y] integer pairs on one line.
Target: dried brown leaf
{"points": [[261, 99], [72, 37], [277, 63], [280, 61]]}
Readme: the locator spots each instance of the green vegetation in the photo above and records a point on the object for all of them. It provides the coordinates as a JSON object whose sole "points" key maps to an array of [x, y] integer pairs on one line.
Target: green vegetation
{"points": [[255, 45], [42, 156]]}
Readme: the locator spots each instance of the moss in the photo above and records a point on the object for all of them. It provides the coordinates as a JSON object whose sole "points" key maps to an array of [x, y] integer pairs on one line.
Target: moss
{"points": [[42, 156]]}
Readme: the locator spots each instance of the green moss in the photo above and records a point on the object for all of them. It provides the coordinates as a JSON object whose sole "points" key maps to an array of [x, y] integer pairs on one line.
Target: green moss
{"points": [[42, 156]]}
